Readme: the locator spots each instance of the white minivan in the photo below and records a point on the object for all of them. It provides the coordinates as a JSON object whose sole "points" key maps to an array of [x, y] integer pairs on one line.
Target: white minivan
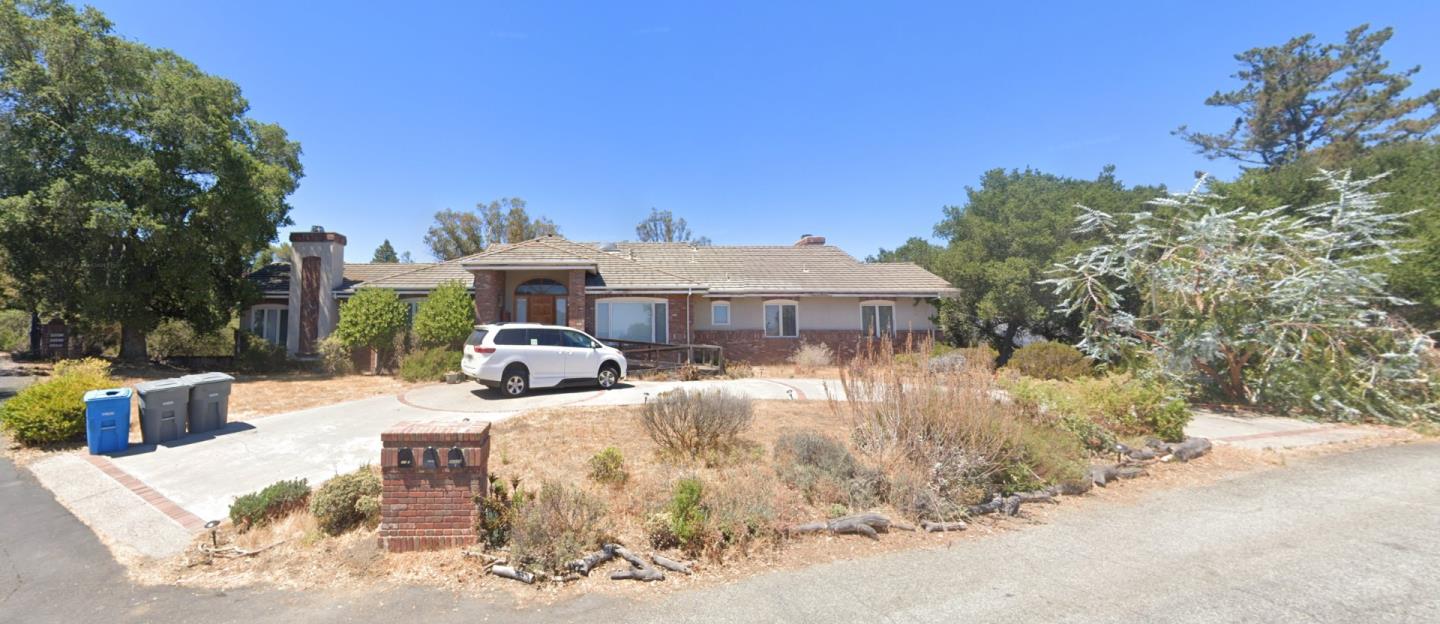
{"points": [[515, 357]]}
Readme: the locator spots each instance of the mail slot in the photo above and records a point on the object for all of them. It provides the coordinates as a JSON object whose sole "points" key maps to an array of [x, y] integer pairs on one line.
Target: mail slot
{"points": [[455, 458], [405, 458], [431, 459]]}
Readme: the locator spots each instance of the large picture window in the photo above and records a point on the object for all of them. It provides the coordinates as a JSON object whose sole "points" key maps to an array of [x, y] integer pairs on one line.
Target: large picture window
{"points": [[270, 324], [877, 319], [780, 319], [637, 321]]}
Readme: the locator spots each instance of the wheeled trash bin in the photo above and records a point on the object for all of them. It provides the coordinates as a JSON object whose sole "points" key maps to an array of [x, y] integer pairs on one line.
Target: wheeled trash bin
{"points": [[209, 400], [107, 420], [163, 409]]}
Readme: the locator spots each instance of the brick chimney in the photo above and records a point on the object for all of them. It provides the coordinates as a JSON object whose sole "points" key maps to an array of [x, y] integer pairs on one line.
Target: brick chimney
{"points": [[807, 240]]}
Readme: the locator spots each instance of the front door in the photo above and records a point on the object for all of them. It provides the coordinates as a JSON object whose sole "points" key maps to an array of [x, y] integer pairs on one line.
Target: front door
{"points": [[540, 309]]}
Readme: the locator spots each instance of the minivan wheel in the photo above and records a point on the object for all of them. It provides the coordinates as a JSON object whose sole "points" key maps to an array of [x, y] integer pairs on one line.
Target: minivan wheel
{"points": [[608, 376], [515, 383]]}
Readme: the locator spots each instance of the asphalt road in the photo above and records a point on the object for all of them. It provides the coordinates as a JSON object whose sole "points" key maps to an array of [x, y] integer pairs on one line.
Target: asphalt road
{"points": [[1345, 538]]}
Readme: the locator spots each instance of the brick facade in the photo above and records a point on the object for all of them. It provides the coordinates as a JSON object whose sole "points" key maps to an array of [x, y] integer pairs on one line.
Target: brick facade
{"points": [[488, 296], [751, 345], [576, 314], [432, 508], [677, 324]]}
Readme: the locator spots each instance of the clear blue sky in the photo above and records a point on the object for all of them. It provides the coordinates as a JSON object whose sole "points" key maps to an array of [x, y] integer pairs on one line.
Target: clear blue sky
{"points": [[755, 122]]}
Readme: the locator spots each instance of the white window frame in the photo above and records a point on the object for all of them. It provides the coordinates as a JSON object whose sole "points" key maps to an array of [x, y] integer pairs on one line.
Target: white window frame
{"points": [[765, 313], [657, 301], [716, 305], [877, 304], [270, 330]]}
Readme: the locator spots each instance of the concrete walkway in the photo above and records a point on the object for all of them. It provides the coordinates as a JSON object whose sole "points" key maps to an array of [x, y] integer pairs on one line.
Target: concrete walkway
{"points": [[149, 499], [1255, 432]]}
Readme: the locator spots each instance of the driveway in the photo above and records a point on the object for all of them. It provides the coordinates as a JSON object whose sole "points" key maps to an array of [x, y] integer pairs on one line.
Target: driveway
{"points": [[1340, 538], [149, 499]]}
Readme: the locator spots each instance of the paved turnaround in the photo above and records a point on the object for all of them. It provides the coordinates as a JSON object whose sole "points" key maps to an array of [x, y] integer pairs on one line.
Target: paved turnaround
{"points": [[1344, 538]]}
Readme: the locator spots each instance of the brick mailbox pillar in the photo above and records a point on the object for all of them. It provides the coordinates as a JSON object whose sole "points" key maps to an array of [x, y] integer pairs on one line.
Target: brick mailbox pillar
{"points": [[431, 473]]}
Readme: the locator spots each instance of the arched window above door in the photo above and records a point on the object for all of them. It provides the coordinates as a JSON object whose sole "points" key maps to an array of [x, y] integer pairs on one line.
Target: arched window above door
{"points": [[541, 286]]}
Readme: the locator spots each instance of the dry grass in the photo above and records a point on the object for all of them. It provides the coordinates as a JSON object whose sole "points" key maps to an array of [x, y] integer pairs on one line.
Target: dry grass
{"points": [[556, 445]]}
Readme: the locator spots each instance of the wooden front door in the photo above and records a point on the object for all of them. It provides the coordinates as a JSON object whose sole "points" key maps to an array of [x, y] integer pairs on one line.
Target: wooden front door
{"points": [[540, 309]]}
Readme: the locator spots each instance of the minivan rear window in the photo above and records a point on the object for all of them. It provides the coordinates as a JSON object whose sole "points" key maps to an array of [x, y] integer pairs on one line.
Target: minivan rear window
{"points": [[477, 337], [511, 337]]}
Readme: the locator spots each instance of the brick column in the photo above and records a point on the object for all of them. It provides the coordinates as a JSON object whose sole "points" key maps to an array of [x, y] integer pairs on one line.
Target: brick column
{"points": [[431, 507], [489, 287], [575, 300]]}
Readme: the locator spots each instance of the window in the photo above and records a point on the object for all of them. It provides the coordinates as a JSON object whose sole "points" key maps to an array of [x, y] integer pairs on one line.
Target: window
{"points": [[412, 308], [522, 310], [511, 337], [636, 321], [561, 315], [541, 286], [270, 324], [546, 337], [780, 320], [720, 313], [877, 319], [476, 338], [578, 340]]}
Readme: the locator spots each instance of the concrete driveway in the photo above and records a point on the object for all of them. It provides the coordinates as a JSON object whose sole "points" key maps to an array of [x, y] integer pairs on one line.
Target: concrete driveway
{"points": [[149, 499]]}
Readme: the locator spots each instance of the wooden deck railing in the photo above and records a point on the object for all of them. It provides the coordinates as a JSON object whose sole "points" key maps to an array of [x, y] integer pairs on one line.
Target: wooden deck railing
{"points": [[659, 356]]}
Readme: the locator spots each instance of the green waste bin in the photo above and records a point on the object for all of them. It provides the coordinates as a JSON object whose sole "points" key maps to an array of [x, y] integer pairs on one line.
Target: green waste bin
{"points": [[163, 409], [209, 401]]}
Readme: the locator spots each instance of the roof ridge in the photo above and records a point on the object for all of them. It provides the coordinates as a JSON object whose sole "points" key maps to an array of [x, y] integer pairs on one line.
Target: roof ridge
{"points": [[656, 269]]}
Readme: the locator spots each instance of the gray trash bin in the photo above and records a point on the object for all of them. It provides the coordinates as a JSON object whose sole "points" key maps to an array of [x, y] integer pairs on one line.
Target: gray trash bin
{"points": [[209, 400], [163, 410]]}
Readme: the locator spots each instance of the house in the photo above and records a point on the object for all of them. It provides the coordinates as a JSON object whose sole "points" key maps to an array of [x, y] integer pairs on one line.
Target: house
{"points": [[759, 302]]}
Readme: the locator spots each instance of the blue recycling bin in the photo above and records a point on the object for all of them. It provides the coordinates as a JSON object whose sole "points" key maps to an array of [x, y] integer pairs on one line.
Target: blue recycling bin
{"points": [[107, 420]]}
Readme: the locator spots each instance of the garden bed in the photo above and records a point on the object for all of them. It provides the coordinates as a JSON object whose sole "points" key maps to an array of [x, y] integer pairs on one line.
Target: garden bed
{"points": [[556, 445]]}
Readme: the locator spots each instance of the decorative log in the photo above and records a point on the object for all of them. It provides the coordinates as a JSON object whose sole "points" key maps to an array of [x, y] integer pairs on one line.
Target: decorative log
{"points": [[587, 563], [995, 504], [671, 564], [811, 527], [1129, 472], [1103, 474], [942, 527], [1190, 449], [1077, 487], [1046, 495], [639, 571], [901, 526], [637, 574], [867, 524], [513, 573]]}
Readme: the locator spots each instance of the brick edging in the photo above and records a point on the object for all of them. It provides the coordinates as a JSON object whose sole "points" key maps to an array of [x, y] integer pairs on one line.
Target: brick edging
{"points": [[185, 519]]}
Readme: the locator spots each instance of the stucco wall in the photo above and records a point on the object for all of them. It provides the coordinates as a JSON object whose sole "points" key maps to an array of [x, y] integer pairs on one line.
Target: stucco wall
{"points": [[332, 274]]}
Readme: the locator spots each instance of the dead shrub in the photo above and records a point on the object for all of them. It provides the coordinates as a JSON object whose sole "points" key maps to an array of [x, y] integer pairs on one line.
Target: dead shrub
{"points": [[558, 524], [811, 355], [944, 438], [697, 423], [826, 472]]}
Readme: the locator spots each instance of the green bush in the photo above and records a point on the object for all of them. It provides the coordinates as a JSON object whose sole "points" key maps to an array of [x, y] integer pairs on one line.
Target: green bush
{"points": [[1050, 360], [608, 466], [276, 500], [54, 410], [372, 318], [259, 356], [178, 338], [1119, 406], [686, 514], [430, 364], [446, 317], [347, 501], [825, 471], [497, 512], [558, 525], [14, 331]]}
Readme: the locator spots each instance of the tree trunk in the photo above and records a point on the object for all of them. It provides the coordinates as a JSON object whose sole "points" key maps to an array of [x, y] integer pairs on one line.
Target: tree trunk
{"points": [[1006, 347], [132, 344]]}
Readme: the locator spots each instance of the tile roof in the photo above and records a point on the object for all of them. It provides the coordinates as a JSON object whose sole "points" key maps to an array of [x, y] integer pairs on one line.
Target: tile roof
{"points": [[718, 269], [273, 277]]}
